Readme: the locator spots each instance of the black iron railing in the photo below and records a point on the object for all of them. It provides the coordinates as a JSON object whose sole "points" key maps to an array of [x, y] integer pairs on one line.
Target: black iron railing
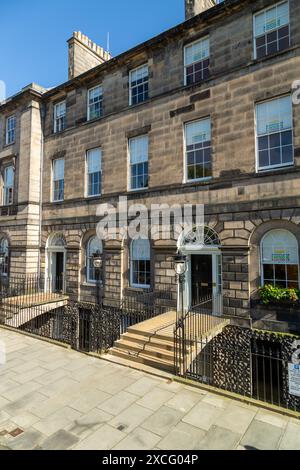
{"points": [[25, 305], [214, 350]]}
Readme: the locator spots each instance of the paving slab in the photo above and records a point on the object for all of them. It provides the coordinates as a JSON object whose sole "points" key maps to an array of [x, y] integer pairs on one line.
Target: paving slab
{"points": [[89, 423], [26, 441], [163, 420], [143, 386], [236, 418], [131, 418], [218, 438], [272, 418], [89, 400], [139, 439], [104, 438], [291, 437], [155, 398], [182, 436], [61, 440], [262, 436], [184, 400], [118, 403], [203, 415], [57, 421]]}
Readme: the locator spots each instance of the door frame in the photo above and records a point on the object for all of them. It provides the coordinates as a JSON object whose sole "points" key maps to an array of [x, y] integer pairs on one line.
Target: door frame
{"points": [[49, 277], [215, 252]]}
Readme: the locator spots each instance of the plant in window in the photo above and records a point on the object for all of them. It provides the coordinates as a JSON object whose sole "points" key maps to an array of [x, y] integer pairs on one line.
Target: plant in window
{"points": [[271, 294]]}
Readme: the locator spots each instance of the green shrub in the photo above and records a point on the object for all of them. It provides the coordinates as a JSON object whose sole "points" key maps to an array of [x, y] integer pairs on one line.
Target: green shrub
{"points": [[270, 294]]}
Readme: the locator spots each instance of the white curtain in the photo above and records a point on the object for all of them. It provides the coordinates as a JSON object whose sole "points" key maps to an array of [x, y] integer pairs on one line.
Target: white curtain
{"points": [[138, 74], [198, 131], [271, 19], [274, 116], [58, 169], [197, 51], [280, 247], [94, 160], [140, 250], [94, 246], [138, 149]]}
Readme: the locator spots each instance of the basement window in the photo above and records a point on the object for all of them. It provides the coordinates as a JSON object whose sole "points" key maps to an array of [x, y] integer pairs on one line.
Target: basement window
{"points": [[271, 30], [196, 61]]}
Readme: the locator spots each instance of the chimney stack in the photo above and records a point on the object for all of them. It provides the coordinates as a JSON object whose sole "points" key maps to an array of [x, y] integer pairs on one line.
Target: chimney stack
{"points": [[84, 54], [194, 7]]}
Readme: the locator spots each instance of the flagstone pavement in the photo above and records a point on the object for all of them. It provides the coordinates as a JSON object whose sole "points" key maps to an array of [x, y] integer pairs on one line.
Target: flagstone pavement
{"points": [[55, 398]]}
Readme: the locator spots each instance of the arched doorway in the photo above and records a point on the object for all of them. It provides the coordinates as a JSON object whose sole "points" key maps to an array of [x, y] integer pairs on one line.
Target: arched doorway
{"points": [[55, 263], [204, 272]]}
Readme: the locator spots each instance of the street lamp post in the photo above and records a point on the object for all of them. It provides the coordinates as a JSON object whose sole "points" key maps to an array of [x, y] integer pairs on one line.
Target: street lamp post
{"points": [[97, 263], [180, 267], [2, 261]]}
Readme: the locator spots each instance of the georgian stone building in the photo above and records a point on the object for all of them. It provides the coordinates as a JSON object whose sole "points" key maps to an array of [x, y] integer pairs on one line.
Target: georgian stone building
{"points": [[201, 114]]}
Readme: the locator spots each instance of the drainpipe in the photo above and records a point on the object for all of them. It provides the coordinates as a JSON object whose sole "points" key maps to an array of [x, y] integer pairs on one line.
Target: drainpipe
{"points": [[41, 185]]}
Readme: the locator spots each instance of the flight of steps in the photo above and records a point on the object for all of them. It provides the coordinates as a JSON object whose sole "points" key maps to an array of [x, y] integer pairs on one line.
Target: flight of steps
{"points": [[152, 349]]}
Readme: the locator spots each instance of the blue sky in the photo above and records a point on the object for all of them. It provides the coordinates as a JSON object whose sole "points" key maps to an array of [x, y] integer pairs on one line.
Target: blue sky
{"points": [[34, 33]]}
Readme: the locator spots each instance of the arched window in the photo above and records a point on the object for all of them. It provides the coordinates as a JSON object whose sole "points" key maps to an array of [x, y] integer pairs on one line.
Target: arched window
{"points": [[280, 259], [94, 247], [4, 256], [199, 237], [140, 263]]}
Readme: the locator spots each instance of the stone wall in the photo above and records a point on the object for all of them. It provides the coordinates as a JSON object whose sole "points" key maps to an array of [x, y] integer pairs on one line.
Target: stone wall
{"points": [[232, 363]]}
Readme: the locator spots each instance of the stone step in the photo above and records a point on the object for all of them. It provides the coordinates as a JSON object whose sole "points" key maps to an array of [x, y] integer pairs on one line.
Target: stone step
{"points": [[153, 340], [144, 359], [146, 348], [149, 334]]}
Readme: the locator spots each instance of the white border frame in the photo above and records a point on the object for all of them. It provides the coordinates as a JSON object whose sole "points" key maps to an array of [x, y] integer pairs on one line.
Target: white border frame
{"points": [[259, 13], [55, 131], [132, 284], [184, 55], [185, 172], [129, 188], [86, 184], [273, 167], [52, 180], [146, 64], [261, 264], [88, 104], [12, 116]]}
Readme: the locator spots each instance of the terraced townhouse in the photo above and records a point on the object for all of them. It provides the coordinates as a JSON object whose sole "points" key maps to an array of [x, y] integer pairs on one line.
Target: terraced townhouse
{"points": [[201, 114]]}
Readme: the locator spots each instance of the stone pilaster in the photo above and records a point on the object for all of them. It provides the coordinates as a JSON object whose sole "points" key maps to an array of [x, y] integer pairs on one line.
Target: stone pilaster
{"points": [[112, 273], [235, 272]]}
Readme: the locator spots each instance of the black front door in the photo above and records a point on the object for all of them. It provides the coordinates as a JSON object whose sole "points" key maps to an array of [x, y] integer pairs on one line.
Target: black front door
{"points": [[202, 280], [59, 272]]}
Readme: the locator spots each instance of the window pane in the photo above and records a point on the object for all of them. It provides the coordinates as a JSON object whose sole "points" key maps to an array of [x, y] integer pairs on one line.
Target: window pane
{"points": [[268, 272], [292, 272], [280, 272], [274, 132], [198, 149]]}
